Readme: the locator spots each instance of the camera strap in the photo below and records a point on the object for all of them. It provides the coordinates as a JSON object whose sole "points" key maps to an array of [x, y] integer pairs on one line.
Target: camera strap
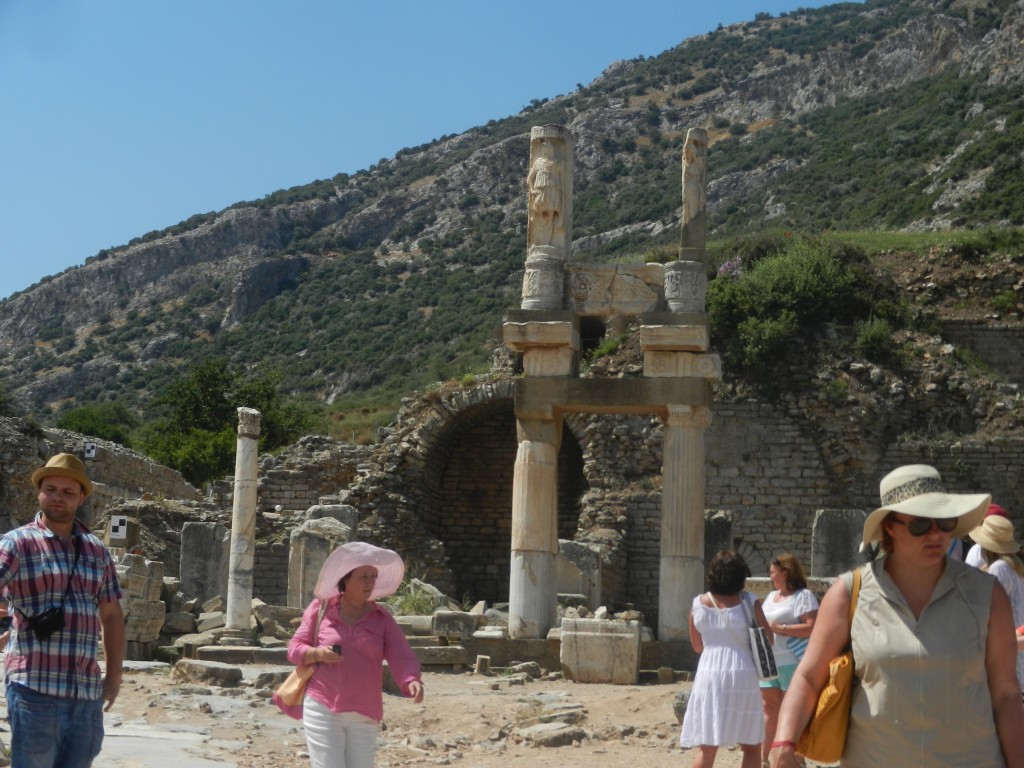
{"points": [[71, 578]]}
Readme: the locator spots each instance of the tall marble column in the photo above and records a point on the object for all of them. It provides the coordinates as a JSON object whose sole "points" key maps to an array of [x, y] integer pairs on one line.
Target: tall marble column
{"points": [[533, 598], [682, 518], [243, 531]]}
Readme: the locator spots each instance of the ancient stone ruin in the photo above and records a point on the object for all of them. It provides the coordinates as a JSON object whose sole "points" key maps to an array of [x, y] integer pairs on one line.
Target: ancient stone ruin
{"points": [[543, 496]]}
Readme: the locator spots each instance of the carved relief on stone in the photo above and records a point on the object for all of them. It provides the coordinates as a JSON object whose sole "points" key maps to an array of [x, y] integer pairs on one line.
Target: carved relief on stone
{"points": [[605, 290], [686, 286], [543, 283]]}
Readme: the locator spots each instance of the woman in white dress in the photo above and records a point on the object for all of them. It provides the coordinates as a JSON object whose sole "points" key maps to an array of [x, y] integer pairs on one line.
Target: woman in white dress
{"points": [[724, 706], [791, 609], [999, 557]]}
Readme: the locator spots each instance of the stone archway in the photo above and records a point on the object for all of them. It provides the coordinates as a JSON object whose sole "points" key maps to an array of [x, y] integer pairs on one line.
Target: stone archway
{"points": [[466, 494]]}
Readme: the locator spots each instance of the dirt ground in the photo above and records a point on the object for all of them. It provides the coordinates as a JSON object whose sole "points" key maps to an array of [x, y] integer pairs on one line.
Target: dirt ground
{"points": [[465, 719]]}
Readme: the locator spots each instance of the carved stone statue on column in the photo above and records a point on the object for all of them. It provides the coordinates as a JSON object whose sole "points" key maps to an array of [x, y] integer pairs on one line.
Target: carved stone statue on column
{"points": [[549, 216], [695, 180]]}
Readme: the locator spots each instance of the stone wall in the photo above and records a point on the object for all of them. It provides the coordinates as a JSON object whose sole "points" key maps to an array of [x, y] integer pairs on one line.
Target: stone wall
{"points": [[314, 468], [998, 345], [270, 573], [117, 472]]}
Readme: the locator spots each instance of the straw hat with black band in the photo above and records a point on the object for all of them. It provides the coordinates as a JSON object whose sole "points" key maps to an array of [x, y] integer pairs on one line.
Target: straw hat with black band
{"points": [[917, 489]]}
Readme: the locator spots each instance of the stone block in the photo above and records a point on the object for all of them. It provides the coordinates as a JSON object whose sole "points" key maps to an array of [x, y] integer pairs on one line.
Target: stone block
{"points": [[206, 673], [208, 621], [441, 655], [453, 624], [416, 625], [601, 651], [835, 542], [179, 623], [675, 338], [660, 364]]}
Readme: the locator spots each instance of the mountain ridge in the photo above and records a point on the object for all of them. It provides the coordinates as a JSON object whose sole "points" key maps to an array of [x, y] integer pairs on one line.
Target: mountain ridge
{"points": [[398, 275]]}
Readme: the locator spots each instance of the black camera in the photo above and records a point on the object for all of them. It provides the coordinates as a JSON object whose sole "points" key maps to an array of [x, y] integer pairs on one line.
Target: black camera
{"points": [[5, 623], [336, 648], [46, 623]]}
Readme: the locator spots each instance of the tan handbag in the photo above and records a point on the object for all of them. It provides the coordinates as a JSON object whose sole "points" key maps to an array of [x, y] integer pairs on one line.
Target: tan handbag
{"points": [[293, 689], [825, 735], [288, 695]]}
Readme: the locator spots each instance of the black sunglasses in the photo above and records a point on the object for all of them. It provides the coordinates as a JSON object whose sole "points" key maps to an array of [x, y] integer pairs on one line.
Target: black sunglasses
{"points": [[919, 526]]}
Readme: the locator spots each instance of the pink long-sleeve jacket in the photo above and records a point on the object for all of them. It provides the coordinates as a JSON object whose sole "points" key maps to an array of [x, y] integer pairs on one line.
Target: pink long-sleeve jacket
{"points": [[354, 683]]}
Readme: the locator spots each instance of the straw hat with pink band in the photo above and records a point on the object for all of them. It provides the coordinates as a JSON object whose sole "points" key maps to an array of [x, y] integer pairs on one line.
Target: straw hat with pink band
{"points": [[355, 554]]}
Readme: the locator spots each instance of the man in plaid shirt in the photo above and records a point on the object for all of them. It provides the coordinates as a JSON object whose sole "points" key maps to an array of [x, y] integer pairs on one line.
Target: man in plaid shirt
{"points": [[55, 566]]}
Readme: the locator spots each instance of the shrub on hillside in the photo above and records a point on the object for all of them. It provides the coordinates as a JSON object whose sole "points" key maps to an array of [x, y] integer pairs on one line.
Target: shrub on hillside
{"points": [[754, 313]]}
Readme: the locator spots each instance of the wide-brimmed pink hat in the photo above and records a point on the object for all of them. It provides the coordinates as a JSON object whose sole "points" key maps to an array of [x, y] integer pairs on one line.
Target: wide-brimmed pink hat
{"points": [[355, 554]]}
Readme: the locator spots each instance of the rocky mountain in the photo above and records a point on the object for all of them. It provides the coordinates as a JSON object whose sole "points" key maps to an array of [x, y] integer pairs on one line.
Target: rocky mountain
{"points": [[891, 114]]}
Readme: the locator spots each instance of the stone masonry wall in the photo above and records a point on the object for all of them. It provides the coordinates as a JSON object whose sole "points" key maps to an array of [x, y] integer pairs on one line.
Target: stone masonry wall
{"points": [[997, 345], [117, 472]]}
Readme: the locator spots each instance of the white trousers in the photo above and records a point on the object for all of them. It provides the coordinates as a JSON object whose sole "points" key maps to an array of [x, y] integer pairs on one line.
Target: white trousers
{"points": [[346, 740]]}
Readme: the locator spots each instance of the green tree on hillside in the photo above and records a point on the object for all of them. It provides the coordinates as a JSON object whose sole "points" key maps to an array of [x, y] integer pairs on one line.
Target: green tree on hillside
{"points": [[107, 421], [7, 407], [196, 431]]}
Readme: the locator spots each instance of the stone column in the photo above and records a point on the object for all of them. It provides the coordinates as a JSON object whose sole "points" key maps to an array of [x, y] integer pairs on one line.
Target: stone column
{"points": [[243, 531], [693, 242], [549, 216], [682, 519], [533, 600]]}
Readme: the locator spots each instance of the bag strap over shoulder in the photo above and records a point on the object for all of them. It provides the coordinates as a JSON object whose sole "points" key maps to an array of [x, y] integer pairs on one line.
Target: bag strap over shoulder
{"points": [[854, 595]]}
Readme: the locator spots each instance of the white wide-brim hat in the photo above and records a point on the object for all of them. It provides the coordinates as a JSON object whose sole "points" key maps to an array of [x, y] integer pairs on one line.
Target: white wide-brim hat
{"points": [[917, 489], [996, 535], [355, 554]]}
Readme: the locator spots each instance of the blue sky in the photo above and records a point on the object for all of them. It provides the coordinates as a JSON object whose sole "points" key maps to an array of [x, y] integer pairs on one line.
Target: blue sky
{"points": [[118, 117]]}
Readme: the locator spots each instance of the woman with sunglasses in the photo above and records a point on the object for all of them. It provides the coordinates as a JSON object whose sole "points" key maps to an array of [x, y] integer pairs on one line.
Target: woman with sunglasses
{"points": [[933, 643]]}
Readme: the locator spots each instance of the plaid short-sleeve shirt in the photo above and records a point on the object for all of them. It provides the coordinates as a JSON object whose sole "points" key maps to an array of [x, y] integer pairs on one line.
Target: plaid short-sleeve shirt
{"points": [[35, 566]]}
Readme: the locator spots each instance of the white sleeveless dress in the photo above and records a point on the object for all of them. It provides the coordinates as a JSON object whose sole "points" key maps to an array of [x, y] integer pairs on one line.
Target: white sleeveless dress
{"points": [[725, 702]]}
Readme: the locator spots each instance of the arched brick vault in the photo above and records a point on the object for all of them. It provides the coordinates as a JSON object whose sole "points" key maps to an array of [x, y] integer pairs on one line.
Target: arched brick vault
{"points": [[465, 497]]}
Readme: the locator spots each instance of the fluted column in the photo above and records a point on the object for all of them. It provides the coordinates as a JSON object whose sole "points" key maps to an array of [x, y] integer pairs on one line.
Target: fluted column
{"points": [[682, 518], [243, 531], [533, 600]]}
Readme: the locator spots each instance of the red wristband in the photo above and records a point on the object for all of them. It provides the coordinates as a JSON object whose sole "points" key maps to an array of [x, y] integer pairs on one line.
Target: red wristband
{"points": [[783, 744]]}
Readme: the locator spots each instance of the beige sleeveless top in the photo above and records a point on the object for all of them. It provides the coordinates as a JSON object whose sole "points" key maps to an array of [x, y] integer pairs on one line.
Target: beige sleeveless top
{"points": [[922, 699]]}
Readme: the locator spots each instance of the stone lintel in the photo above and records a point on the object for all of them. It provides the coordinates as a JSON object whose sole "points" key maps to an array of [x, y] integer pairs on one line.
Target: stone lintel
{"points": [[545, 398], [541, 316], [522, 337], [691, 338], [673, 364], [674, 318]]}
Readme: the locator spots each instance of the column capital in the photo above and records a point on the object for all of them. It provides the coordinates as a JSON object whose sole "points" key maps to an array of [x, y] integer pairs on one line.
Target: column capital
{"points": [[692, 416], [248, 422]]}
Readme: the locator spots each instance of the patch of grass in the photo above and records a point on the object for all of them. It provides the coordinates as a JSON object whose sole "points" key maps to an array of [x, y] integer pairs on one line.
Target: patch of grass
{"points": [[412, 600], [357, 418], [874, 339], [835, 392]]}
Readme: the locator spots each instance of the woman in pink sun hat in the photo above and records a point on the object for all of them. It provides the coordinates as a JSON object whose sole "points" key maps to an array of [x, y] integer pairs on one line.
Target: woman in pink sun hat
{"points": [[343, 706]]}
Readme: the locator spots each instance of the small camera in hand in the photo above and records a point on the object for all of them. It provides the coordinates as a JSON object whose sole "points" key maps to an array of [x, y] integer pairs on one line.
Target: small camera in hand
{"points": [[336, 648], [46, 623]]}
